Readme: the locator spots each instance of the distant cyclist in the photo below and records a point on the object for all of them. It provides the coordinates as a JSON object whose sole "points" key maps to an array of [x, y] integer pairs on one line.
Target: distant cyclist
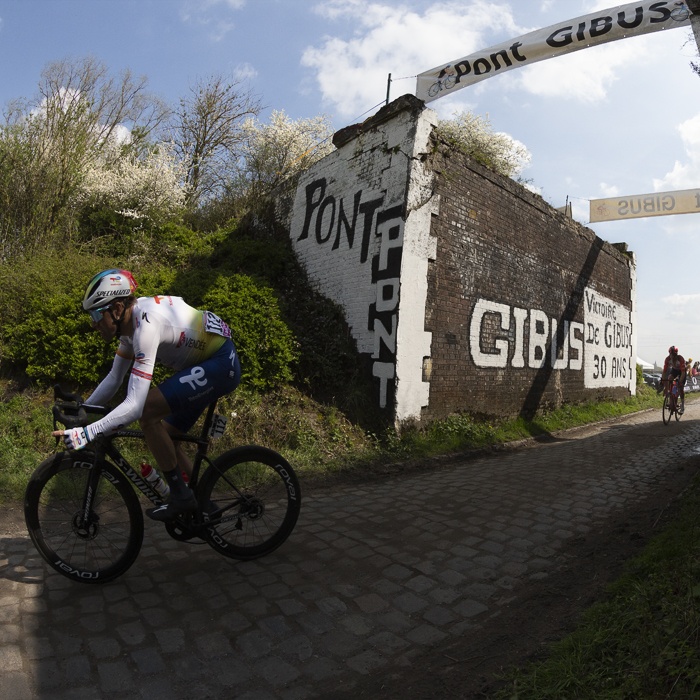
{"points": [[197, 344], [674, 366]]}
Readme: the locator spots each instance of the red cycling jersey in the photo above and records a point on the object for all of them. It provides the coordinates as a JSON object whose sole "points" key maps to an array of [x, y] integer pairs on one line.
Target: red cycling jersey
{"points": [[677, 363]]}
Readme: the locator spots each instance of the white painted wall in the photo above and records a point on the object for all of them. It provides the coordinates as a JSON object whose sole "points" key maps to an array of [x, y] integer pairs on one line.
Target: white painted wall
{"points": [[376, 179]]}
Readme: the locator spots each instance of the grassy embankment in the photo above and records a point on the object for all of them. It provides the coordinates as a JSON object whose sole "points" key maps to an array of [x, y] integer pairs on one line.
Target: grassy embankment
{"points": [[642, 642], [318, 440]]}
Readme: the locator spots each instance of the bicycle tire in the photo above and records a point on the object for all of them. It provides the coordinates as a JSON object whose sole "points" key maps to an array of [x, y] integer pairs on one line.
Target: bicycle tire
{"points": [[450, 81], [54, 500], [666, 409], [434, 89], [257, 493]]}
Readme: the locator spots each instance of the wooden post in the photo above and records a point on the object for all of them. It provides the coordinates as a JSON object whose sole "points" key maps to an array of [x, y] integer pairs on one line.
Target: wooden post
{"points": [[388, 85]]}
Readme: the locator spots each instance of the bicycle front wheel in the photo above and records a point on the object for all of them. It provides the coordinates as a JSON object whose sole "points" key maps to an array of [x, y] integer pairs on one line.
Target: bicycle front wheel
{"points": [[667, 409], [250, 499], [95, 551]]}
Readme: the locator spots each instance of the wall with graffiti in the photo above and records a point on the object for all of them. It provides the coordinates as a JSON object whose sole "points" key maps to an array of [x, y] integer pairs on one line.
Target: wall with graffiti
{"points": [[528, 309], [361, 227], [463, 290]]}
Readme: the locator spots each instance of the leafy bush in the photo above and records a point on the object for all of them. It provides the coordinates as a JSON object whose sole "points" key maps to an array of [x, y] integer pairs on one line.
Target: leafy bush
{"points": [[55, 341], [265, 344], [46, 334]]}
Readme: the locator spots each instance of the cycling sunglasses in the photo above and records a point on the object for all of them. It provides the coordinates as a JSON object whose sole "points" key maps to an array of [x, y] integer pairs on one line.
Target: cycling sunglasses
{"points": [[96, 314]]}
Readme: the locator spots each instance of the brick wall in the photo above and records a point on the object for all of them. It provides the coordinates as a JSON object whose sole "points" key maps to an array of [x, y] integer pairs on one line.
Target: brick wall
{"points": [[511, 273], [454, 280]]}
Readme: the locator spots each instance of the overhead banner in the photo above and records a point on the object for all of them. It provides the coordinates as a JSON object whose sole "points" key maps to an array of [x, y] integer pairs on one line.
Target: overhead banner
{"points": [[638, 206], [570, 35]]}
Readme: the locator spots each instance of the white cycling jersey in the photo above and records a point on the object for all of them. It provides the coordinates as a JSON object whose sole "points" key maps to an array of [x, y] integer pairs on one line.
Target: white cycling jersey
{"points": [[167, 331]]}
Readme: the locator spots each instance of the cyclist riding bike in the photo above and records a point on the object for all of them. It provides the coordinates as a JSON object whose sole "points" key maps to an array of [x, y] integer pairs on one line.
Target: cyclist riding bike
{"points": [[197, 344], [674, 366]]}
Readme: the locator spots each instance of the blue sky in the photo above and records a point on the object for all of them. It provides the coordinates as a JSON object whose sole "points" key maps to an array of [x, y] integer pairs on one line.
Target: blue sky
{"points": [[618, 119]]}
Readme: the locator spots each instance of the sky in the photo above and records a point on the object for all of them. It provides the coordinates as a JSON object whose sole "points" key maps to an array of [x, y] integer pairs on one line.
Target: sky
{"points": [[619, 119]]}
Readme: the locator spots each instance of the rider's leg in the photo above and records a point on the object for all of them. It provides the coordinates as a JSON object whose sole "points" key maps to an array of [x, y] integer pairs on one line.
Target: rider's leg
{"points": [[183, 459], [155, 432], [681, 383], [166, 454]]}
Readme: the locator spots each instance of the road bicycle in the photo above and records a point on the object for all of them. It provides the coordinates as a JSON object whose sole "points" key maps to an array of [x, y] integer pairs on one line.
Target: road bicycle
{"points": [[449, 82], [84, 516], [671, 405]]}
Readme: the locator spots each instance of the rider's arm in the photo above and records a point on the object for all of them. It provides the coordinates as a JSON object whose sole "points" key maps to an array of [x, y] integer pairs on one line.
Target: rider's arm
{"points": [[144, 348], [109, 385], [128, 410]]}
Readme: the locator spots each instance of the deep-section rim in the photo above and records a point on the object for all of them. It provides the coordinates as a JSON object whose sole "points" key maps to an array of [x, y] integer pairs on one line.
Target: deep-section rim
{"points": [[77, 572], [287, 480], [666, 409]]}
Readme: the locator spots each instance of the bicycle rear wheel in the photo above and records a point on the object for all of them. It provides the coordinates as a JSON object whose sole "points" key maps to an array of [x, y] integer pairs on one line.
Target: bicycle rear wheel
{"points": [[667, 409], [250, 499], [108, 544]]}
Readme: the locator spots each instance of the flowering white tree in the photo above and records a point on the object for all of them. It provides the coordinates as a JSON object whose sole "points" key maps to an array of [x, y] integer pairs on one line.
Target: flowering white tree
{"points": [[280, 150], [150, 187], [48, 143], [474, 135]]}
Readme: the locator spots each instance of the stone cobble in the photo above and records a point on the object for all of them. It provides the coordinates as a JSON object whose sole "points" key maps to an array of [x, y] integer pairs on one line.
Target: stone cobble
{"points": [[371, 578]]}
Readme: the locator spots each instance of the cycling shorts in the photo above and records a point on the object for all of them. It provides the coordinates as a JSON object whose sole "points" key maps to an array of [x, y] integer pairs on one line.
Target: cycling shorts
{"points": [[190, 391], [673, 373]]}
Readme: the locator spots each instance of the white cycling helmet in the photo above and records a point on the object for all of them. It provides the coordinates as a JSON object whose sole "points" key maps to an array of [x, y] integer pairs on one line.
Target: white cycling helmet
{"points": [[106, 287]]}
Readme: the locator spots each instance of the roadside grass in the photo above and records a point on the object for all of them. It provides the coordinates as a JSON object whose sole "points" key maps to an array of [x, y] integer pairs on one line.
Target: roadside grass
{"points": [[317, 439], [643, 640]]}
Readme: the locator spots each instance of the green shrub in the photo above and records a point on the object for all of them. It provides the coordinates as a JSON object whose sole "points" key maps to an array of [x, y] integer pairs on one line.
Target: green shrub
{"points": [[265, 344], [50, 338], [54, 341]]}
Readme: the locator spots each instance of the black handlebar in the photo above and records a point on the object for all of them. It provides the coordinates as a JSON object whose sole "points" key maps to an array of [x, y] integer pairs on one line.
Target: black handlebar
{"points": [[58, 393], [70, 411]]}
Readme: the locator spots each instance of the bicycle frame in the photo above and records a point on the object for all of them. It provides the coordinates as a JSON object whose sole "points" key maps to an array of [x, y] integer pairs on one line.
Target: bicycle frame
{"points": [[104, 447]]}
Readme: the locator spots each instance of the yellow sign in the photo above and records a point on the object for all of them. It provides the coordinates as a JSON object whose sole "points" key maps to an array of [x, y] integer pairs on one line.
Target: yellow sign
{"points": [[639, 205]]}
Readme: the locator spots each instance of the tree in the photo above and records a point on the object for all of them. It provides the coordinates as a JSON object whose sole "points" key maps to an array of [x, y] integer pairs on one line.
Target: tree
{"points": [[48, 142], [147, 185], [474, 135], [280, 150], [207, 131]]}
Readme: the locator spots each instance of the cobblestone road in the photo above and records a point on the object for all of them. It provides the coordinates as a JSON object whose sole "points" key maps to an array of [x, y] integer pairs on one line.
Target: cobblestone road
{"points": [[370, 578]]}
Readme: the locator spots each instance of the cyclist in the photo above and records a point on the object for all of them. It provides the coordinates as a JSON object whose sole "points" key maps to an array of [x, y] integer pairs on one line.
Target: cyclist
{"points": [[197, 344], [674, 366]]}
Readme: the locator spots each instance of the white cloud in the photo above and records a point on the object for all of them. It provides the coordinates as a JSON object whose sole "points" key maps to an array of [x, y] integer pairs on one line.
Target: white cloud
{"points": [[686, 175], [352, 73], [609, 190], [580, 212], [586, 75], [681, 299], [202, 14], [244, 71]]}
